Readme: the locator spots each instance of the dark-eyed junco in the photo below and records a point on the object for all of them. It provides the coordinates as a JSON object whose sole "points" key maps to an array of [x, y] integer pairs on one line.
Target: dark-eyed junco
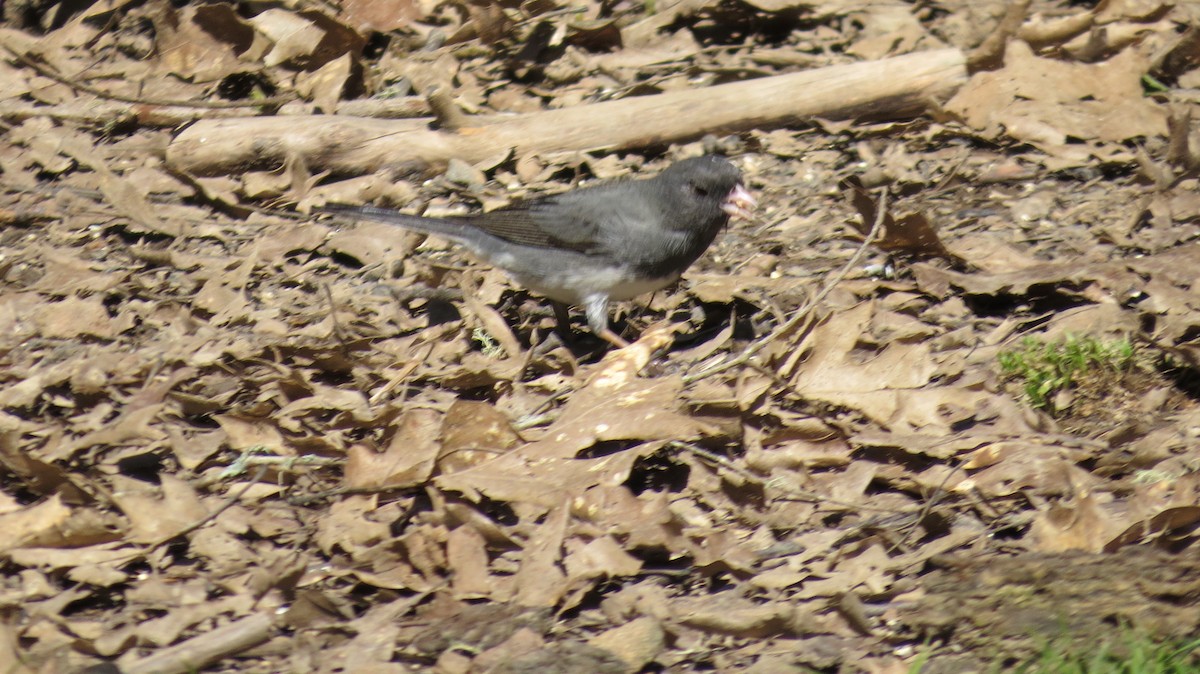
{"points": [[599, 243]]}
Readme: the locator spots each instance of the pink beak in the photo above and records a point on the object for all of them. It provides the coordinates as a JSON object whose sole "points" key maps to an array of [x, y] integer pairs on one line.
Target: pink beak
{"points": [[740, 203]]}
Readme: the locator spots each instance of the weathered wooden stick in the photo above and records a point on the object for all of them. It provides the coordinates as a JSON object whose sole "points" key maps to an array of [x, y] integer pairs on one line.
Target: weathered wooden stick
{"points": [[887, 88], [199, 652]]}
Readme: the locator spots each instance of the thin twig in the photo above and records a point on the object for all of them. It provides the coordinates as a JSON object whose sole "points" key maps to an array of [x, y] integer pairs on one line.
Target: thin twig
{"points": [[327, 494], [207, 648], [337, 325], [803, 313], [229, 503], [926, 508], [566, 11], [541, 414], [799, 494], [46, 71]]}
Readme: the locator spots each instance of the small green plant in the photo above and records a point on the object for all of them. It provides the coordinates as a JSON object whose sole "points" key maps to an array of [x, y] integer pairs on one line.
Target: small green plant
{"points": [[1135, 654], [1139, 655], [491, 348], [1049, 367]]}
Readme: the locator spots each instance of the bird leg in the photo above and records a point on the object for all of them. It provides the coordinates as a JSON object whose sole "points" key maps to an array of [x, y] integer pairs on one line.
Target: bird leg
{"points": [[613, 338], [596, 307], [562, 316]]}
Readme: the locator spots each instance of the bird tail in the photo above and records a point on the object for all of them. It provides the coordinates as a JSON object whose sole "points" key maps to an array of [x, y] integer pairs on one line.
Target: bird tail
{"points": [[446, 227]]}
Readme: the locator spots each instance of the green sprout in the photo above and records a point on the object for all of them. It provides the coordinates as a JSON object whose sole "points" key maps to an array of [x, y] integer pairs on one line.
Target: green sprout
{"points": [[1049, 367]]}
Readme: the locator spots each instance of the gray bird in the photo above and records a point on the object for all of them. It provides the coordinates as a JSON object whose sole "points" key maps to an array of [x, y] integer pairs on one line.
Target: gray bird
{"points": [[596, 244]]}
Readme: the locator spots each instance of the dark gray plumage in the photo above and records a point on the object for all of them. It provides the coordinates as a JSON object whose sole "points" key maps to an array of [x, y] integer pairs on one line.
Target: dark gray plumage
{"points": [[594, 244]]}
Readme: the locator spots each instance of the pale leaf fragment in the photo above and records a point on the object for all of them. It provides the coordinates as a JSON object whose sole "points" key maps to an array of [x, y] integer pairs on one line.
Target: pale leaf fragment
{"points": [[157, 516], [408, 460], [33, 522]]}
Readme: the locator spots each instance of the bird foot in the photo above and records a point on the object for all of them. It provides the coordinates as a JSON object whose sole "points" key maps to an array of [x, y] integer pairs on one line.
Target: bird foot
{"points": [[613, 338]]}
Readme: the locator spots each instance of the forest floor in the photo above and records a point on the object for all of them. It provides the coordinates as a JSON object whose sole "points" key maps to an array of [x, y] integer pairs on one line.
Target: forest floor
{"points": [[239, 437]]}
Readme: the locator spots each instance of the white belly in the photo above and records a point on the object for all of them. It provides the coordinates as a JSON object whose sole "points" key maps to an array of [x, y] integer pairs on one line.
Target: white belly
{"points": [[572, 287]]}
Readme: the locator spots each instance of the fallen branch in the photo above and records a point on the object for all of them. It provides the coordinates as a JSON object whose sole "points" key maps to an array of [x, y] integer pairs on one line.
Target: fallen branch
{"points": [[199, 652], [902, 85]]}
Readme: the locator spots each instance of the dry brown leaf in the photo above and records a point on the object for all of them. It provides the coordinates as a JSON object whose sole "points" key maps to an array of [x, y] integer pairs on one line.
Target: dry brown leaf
{"points": [[473, 433], [59, 558], [294, 39], [611, 409], [381, 17], [325, 86], [889, 29], [165, 630], [1044, 101], [868, 570], [408, 459], [325, 398], [1183, 518], [640, 522], [494, 325], [885, 384], [33, 522], [637, 642], [1018, 282], [540, 580], [1084, 524], [347, 525], [135, 424], [911, 233], [200, 42], [728, 614], [72, 317], [244, 434], [122, 192], [156, 516], [84, 527], [599, 558], [792, 454], [372, 244], [39, 476], [467, 557], [67, 274], [15, 312], [1045, 471], [613, 405]]}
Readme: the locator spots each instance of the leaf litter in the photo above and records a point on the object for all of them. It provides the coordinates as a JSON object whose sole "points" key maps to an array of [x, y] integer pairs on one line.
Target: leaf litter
{"points": [[238, 438]]}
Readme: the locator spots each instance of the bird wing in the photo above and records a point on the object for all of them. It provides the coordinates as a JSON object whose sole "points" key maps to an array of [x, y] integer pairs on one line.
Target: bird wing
{"points": [[575, 220], [538, 224], [569, 221]]}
